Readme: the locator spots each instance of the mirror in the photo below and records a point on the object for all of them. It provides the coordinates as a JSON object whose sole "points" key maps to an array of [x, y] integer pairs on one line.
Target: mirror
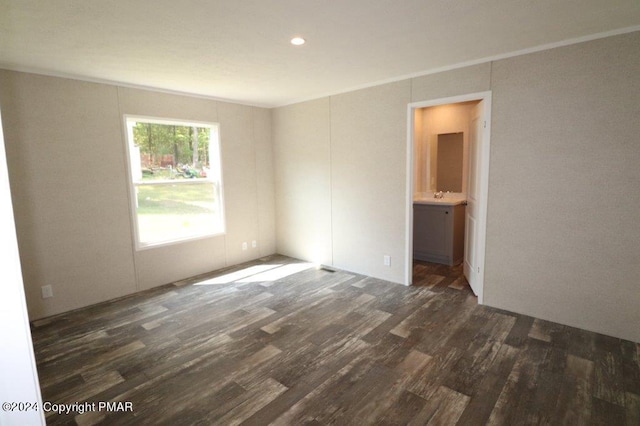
{"points": [[449, 154]]}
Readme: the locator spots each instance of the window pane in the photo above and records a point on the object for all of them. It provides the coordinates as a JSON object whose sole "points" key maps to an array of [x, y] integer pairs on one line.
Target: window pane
{"points": [[169, 211], [176, 177], [170, 151]]}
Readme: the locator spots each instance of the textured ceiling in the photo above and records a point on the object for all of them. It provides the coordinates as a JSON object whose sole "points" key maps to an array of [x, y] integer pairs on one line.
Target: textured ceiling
{"points": [[239, 49]]}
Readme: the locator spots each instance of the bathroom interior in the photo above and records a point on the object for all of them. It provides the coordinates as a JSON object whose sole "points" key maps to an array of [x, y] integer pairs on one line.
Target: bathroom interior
{"points": [[445, 186]]}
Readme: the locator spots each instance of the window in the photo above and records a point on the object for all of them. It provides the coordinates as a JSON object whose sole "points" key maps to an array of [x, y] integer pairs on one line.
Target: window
{"points": [[176, 180]]}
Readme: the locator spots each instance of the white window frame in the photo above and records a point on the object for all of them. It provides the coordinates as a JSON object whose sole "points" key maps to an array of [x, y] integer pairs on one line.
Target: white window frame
{"points": [[133, 160]]}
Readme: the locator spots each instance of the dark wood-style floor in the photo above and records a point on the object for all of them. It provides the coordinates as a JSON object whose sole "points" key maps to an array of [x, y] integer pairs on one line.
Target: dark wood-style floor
{"points": [[320, 347]]}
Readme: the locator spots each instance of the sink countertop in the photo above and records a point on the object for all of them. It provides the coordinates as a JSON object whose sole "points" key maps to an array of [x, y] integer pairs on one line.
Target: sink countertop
{"points": [[440, 201]]}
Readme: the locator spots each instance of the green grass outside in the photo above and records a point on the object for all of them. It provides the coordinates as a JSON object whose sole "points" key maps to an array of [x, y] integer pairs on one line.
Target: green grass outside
{"points": [[169, 211], [166, 174], [176, 199]]}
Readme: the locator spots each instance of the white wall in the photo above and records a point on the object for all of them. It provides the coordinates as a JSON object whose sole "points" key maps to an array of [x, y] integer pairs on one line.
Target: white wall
{"points": [[563, 191], [66, 163], [564, 198], [368, 176], [265, 176], [66, 153], [17, 363], [331, 167], [302, 158], [456, 82]]}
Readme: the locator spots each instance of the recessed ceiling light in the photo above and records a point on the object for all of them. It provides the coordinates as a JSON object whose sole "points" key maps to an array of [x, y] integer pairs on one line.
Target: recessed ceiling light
{"points": [[297, 41]]}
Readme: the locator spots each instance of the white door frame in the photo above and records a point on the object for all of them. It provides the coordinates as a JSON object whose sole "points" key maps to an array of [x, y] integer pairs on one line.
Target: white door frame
{"points": [[17, 360], [483, 164]]}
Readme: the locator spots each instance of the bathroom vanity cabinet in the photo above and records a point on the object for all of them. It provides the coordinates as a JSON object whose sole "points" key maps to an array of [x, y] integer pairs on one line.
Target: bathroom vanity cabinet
{"points": [[438, 232]]}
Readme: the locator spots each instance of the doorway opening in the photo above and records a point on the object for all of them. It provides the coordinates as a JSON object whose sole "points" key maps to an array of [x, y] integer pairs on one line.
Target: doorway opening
{"points": [[447, 181]]}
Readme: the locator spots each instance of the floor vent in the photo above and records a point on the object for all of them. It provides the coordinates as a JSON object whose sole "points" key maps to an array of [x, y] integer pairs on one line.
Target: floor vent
{"points": [[327, 269]]}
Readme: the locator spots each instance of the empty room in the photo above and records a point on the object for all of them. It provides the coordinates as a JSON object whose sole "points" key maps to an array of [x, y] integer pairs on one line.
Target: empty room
{"points": [[286, 212]]}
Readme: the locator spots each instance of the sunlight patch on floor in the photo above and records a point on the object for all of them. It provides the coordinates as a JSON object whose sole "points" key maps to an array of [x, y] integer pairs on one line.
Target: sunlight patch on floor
{"points": [[235, 276], [258, 273], [278, 273]]}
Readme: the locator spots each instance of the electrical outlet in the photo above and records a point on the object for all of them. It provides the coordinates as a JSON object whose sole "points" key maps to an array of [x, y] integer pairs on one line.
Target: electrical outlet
{"points": [[47, 291], [387, 260], [244, 245], [254, 244]]}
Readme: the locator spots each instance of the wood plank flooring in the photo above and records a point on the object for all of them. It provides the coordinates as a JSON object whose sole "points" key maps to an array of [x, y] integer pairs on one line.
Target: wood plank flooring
{"points": [[275, 342]]}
